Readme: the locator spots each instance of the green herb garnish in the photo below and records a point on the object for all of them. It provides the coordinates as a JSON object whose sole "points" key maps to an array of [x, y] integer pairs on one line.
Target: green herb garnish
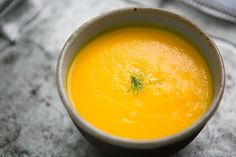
{"points": [[138, 80], [136, 83]]}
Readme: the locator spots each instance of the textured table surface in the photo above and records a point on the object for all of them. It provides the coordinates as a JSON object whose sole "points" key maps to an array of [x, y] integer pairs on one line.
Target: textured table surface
{"points": [[33, 121]]}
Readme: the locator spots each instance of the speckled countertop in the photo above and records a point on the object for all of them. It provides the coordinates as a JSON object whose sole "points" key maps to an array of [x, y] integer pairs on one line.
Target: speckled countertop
{"points": [[33, 121]]}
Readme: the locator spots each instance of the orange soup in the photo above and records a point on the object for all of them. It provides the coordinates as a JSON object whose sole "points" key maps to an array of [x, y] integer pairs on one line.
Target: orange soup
{"points": [[139, 83]]}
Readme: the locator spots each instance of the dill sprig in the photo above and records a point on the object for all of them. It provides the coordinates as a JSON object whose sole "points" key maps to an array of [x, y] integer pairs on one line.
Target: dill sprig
{"points": [[136, 83], [138, 80]]}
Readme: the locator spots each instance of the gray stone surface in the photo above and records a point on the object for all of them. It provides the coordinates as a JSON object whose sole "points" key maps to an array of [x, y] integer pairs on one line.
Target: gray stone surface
{"points": [[33, 121]]}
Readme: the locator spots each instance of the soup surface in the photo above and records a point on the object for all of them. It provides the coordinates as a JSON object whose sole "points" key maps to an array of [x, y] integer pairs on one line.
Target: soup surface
{"points": [[139, 83]]}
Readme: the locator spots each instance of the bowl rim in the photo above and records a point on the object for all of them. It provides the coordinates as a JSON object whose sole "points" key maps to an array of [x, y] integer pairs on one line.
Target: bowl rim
{"points": [[132, 143]]}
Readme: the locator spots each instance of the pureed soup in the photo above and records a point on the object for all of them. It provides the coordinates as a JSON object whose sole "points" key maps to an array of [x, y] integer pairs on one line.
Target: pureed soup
{"points": [[140, 83]]}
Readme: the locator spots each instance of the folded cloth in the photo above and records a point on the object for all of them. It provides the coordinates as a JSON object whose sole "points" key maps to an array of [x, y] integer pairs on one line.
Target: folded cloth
{"points": [[14, 14], [6, 5], [223, 9]]}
